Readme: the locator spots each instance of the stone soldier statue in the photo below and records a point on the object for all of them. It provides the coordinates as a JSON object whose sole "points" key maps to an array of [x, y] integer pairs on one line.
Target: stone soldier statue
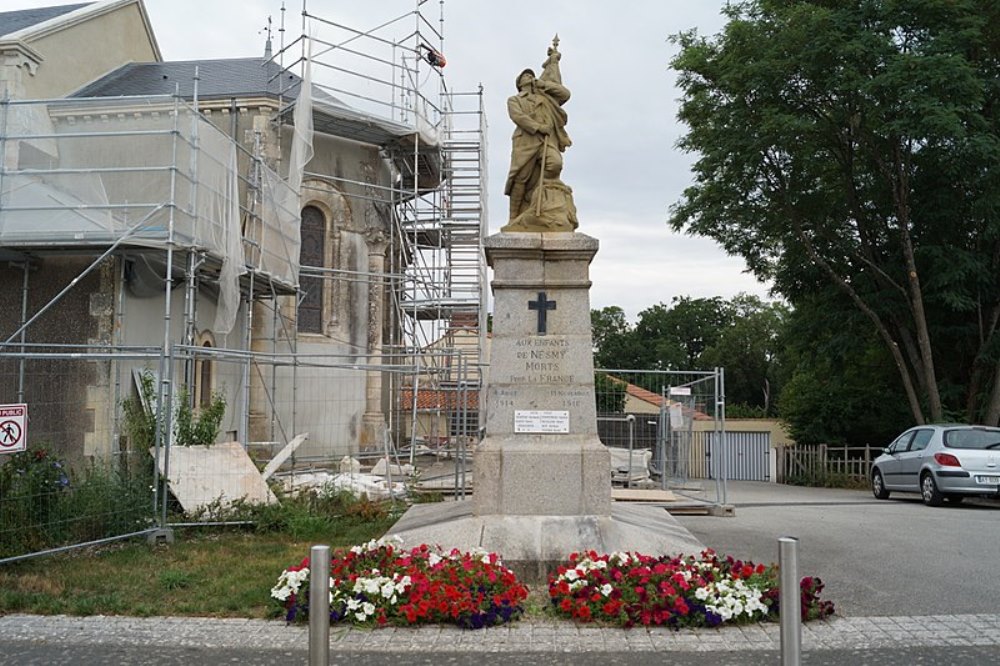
{"points": [[539, 200]]}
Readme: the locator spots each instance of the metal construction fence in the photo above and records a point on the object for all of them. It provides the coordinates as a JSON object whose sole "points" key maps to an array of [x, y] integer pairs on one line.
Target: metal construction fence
{"points": [[670, 419], [102, 459], [95, 458]]}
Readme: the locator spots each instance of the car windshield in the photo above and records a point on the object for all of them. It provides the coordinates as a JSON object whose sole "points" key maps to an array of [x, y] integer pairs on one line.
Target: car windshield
{"points": [[972, 438]]}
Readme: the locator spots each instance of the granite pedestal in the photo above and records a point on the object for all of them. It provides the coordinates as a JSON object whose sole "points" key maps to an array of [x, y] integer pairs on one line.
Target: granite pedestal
{"points": [[542, 477]]}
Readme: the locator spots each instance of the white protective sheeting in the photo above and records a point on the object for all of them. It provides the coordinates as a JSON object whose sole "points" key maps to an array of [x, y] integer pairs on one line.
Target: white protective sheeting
{"points": [[149, 172]]}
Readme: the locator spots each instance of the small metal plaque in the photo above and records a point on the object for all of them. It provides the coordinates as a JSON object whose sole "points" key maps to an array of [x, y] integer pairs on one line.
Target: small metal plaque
{"points": [[529, 421]]}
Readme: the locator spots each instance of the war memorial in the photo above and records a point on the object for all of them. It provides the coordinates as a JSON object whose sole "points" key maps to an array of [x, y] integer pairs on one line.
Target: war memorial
{"points": [[542, 482]]}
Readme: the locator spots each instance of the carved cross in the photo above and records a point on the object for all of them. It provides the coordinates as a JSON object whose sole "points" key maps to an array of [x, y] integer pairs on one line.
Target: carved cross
{"points": [[543, 305]]}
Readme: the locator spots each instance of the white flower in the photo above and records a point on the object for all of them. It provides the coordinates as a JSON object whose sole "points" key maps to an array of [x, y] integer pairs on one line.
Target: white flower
{"points": [[289, 583], [571, 575], [361, 617], [732, 599], [368, 608], [606, 589], [622, 557]]}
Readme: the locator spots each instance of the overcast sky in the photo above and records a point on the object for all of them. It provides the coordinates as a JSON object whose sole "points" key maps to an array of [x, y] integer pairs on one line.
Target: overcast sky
{"points": [[623, 167]]}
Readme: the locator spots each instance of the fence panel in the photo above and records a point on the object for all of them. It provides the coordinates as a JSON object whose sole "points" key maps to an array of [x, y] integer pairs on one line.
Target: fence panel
{"points": [[79, 479], [816, 464]]}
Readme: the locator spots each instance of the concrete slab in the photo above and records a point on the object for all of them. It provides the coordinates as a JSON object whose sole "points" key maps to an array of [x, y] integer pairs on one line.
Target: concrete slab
{"points": [[534, 545], [222, 473]]}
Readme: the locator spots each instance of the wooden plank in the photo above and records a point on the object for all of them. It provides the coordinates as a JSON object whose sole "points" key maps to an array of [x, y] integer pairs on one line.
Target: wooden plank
{"points": [[642, 495]]}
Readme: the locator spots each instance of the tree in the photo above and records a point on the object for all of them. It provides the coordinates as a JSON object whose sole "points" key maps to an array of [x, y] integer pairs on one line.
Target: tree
{"points": [[842, 388], [609, 394], [676, 335], [852, 146], [610, 330], [748, 348], [740, 335]]}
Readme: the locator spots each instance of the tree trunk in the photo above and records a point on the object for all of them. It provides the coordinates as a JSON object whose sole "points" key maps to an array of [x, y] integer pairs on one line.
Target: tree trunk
{"points": [[904, 372]]}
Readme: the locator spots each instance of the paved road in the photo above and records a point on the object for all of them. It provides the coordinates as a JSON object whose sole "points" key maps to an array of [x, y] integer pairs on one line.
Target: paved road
{"points": [[102, 656], [895, 557], [25, 639]]}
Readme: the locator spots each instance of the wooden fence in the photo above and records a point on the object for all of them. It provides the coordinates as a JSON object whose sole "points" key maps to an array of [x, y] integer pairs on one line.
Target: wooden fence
{"points": [[816, 463]]}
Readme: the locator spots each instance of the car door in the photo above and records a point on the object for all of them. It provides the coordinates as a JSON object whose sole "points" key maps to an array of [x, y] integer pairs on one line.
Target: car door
{"points": [[911, 460], [891, 468]]}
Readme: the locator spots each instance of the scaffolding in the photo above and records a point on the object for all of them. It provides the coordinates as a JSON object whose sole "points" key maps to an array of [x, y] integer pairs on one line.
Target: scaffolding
{"points": [[161, 235], [391, 77]]}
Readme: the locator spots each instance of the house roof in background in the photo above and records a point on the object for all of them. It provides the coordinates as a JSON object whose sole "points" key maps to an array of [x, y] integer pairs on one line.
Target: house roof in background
{"points": [[657, 400], [15, 21], [434, 399]]}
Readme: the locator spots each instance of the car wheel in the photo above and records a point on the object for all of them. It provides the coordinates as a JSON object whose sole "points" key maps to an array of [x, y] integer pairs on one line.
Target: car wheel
{"points": [[954, 499], [929, 490], [878, 486]]}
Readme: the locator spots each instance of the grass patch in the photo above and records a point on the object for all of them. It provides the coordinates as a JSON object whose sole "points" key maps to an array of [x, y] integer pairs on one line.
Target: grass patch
{"points": [[209, 573]]}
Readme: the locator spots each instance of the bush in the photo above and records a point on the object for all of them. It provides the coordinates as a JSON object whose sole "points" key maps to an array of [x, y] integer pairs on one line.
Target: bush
{"points": [[191, 427], [31, 485], [43, 504]]}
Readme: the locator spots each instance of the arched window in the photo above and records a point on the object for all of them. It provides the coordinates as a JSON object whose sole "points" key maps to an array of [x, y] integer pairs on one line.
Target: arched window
{"points": [[205, 380], [311, 255], [204, 371]]}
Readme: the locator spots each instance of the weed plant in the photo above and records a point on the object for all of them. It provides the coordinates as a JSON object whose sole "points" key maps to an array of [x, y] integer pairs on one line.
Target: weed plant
{"points": [[44, 504]]}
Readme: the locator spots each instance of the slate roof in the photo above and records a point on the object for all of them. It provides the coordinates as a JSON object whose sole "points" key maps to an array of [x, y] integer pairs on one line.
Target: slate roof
{"points": [[25, 18], [230, 77], [253, 77]]}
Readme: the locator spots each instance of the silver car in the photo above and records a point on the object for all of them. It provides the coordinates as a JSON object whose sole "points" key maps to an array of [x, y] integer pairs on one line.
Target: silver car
{"points": [[941, 462]]}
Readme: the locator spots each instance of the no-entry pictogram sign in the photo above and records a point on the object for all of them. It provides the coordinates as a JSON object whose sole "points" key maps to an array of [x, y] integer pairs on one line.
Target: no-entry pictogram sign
{"points": [[13, 428]]}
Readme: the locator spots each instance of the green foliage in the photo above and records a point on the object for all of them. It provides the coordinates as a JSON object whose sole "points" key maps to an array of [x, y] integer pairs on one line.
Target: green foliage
{"points": [[848, 148], [843, 388], [43, 504], [821, 479], [609, 393], [201, 428], [741, 335], [138, 422], [612, 343], [31, 487], [173, 579], [744, 411], [191, 427], [305, 515]]}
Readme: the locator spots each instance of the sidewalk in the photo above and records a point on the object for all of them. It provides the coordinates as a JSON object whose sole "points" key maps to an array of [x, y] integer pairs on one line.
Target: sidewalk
{"points": [[524, 636]]}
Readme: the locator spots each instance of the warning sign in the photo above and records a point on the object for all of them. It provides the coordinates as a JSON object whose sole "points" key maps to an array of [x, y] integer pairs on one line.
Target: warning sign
{"points": [[13, 428]]}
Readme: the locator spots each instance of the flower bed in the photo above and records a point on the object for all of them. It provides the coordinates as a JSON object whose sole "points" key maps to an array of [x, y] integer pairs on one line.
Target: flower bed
{"points": [[378, 584], [629, 589]]}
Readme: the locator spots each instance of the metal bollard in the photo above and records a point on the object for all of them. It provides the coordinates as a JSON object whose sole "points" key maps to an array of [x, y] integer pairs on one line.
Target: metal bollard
{"points": [[319, 606], [791, 602]]}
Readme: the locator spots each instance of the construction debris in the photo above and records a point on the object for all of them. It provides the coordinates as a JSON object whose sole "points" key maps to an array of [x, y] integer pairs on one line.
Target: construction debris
{"points": [[214, 476]]}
